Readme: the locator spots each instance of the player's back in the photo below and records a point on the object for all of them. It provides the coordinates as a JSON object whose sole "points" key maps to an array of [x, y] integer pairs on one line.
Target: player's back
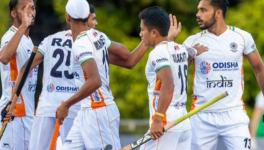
{"points": [[96, 46], [175, 56], [58, 81]]}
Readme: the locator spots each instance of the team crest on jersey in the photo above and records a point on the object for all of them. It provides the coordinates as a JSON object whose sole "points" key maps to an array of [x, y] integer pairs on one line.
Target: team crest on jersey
{"points": [[176, 47], [95, 34], [205, 67], [233, 47]]}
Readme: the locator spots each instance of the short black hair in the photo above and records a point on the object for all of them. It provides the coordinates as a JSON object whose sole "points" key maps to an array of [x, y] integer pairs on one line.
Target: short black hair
{"points": [[81, 20], [12, 4], [221, 4], [156, 18], [92, 9]]}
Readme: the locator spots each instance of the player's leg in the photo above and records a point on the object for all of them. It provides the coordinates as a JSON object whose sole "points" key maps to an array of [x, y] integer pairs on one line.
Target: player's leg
{"points": [[102, 127], [65, 128], [41, 132], [6, 142], [234, 131], [168, 141], [74, 140], [204, 133], [19, 133], [185, 140]]}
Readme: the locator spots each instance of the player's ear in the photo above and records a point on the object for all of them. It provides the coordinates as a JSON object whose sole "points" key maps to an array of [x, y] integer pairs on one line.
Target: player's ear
{"points": [[67, 18], [218, 13], [155, 32], [13, 13]]}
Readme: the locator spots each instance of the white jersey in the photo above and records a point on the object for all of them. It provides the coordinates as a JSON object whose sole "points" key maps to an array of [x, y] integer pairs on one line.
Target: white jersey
{"points": [[93, 44], [175, 56], [58, 81], [260, 100], [221, 67], [25, 103]]}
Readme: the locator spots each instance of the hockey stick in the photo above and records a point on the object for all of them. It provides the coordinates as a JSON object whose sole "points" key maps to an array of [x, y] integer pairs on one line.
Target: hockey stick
{"points": [[19, 88], [55, 135], [148, 137]]}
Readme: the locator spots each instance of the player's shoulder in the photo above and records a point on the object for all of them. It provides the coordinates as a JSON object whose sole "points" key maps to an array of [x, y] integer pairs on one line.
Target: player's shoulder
{"points": [[61, 34], [160, 49], [94, 33], [195, 36], [239, 31], [9, 33]]}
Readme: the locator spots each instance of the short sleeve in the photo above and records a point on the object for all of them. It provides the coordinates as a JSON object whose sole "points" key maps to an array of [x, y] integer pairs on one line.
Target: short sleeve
{"points": [[260, 100], [159, 59], [250, 45], [43, 46], [83, 49]]}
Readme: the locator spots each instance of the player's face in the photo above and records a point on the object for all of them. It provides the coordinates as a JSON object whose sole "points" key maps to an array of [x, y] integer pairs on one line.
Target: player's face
{"points": [[206, 14], [19, 10], [145, 34], [92, 22]]}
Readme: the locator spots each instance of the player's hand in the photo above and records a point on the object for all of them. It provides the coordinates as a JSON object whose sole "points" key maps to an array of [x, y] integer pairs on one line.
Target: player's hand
{"points": [[175, 28], [156, 129], [27, 16], [200, 49], [62, 112], [7, 113]]}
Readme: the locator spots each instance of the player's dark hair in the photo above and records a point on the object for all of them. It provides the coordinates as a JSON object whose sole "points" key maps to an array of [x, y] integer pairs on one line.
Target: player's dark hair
{"points": [[221, 4], [92, 9], [81, 20], [12, 4], [156, 18]]}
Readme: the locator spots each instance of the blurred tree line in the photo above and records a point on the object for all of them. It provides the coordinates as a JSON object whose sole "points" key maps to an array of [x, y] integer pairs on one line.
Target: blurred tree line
{"points": [[119, 20]]}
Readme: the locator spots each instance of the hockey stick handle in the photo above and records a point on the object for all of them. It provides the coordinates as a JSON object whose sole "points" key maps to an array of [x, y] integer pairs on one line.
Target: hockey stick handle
{"points": [[19, 88], [55, 135], [24, 76], [195, 111], [148, 137]]}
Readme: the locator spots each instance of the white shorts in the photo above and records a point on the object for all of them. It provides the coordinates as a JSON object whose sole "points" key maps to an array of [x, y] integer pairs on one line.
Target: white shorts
{"points": [[94, 129], [180, 140], [42, 131], [3, 103], [17, 134], [221, 130]]}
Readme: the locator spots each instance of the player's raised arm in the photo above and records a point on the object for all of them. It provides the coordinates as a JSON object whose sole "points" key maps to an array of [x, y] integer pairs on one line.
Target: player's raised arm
{"points": [[120, 55], [9, 50]]}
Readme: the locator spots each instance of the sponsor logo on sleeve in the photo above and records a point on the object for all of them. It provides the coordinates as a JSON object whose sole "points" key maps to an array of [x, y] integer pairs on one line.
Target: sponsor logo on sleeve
{"points": [[162, 60]]}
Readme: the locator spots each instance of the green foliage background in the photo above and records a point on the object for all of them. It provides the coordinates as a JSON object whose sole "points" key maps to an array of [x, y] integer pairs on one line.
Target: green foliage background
{"points": [[118, 19]]}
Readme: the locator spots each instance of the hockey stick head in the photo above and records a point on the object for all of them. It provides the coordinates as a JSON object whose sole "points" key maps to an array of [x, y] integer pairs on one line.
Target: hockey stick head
{"points": [[108, 147]]}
